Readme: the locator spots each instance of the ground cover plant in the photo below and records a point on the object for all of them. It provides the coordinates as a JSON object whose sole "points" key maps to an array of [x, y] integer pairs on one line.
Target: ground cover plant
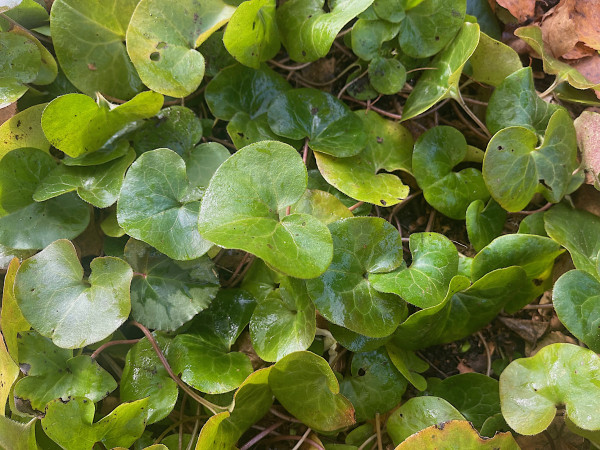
{"points": [[295, 224]]}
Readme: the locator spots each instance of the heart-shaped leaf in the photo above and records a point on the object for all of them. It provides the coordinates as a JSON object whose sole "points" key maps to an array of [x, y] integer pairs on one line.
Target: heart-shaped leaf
{"points": [[436, 153], [430, 25], [515, 168], [12, 321], [73, 312], [442, 81], [48, 68], [484, 222], [301, 380], [144, 376], [322, 205], [159, 206], [307, 31], [75, 124], [343, 294], [576, 299], [252, 35], [388, 147], [387, 75], [316, 181], [558, 375], [165, 56], [239, 210], [17, 435], [356, 342], [203, 355], [328, 123], [408, 364], [165, 294], [88, 39], [390, 10], [492, 61], [21, 62], [375, 386], [425, 282], [24, 129], [24, 223], [368, 35], [53, 373]]}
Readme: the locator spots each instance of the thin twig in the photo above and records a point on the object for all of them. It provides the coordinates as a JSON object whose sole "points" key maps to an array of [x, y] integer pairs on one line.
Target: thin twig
{"points": [[472, 115], [110, 344], [356, 205], [488, 354], [403, 203], [327, 83], [350, 83], [276, 413], [238, 269], [301, 441], [420, 355], [289, 68], [430, 221], [195, 430], [378, 430], [377, 110], [528, 213], [261, 435], [305, 150], [181, 414], [544, 306], [223, 142], [468, 123], [295, 438], [367, 442]]}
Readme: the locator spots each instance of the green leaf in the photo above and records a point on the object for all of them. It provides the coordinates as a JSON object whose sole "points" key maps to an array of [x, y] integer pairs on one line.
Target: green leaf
{"points": [[52, 373], [73, 312], [322, 205], [48, 69], [24, 129], [21, 62], [375, 386], [430, 25], [159, 206], [307, 31], [98, 185], [579, 232], [484, 222], [202, 161], [436, 153], [239, 210], [203, 355], [356, 342], [563, 375], [368, 35], [16, 435], [390, 10], [114, 148], [388, 147], [252, 35], [165, 294], [69, 424], [532, 35], [533, 224], [419, 413], [456, 435], [493, 61], [302, 380], [442, 82], [12, 321], [425, 282], [408, 364], [144, 376], [165, 55], [576, 299], [328, 123], [252, 401], [9, 4], [316, 181], [25, 224], [387, 75], [515, 103], [88, 39], [344, 294], [283, 322], [535, 254], [75, 124], [514, 168], [473, 394], [9, 372], [244, 130]]}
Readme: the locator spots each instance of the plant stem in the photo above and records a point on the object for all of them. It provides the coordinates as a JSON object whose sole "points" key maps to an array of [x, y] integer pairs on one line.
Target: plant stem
{"points": [[110, 344], [261, 435], [378, 429], [551, 88], [356, 205], [471, 114], [350, 83]]}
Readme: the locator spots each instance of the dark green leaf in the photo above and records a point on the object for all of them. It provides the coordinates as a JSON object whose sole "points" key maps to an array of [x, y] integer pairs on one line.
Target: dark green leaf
{"points": [[368, 35], [408, 364], [387, 75], [484, 222], [20, 64]]}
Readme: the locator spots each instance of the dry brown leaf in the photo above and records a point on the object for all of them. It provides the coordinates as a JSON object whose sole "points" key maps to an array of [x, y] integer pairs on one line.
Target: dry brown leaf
{"points": [[7, 112], [554, 337], [529, 330], [559, 30], [588, 199], [586, 15], [463, 368], [579, 51], [587, 126], [523, 10]]}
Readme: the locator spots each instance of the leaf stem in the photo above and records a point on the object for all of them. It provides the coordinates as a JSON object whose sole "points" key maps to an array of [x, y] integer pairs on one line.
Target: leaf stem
{"points": [[367, 442], [471, 114], [305, 150], [36, 35], [350, 83], [110, 344], [261, 435], [301, 441], [378, 429], [551, 88], [488, 354], [377, 110], [528, 213], [356, 205], [289, 68]]}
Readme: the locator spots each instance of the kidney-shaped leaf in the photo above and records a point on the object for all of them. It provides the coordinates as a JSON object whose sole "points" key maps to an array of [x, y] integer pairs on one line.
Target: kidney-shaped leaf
{"points": [[493, 61], [302, 380], [240, 210], [564, 375], [72, 311]]}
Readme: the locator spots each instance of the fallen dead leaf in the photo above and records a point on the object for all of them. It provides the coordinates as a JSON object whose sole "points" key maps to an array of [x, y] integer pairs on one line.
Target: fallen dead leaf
{"points": [[586, 16], [553, 337], [7, 112], [529, 330], [587, 126], [579, 51], [523, 10], [463, 368], [559, 30], [588, 199]]}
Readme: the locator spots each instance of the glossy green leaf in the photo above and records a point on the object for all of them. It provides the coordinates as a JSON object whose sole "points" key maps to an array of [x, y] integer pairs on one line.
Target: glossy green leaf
{"points": [[486, 17], [430, 25], [114, 148], [425, 282], [165, 56], [515, 103], [17, 435], [532, 35], [493, 61], [12, 321], [436, 153], [159, 206], [24, 129], [284, 322], [144, 376], [48, 68], [515, 168], [260, 280], [484, 222], [343, 294], [442, 82], [390, 10], [88, 38], [53, 373], [387, 75], [244, 130], [316, 181], [9, 373], [576, 299], [302, 380], [76, 124], [328, 123], [408, 364], [98, 185], [457, 435], [239, 210], [202, 161], [368, 35], [535, 254], [388, 147], [252, 35], [417, 414], [165, 294], [533, 224], [375, 385], [307, 31], [356, 342], [322, 205], [203, 354], [20, 64], [562, 375]]}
